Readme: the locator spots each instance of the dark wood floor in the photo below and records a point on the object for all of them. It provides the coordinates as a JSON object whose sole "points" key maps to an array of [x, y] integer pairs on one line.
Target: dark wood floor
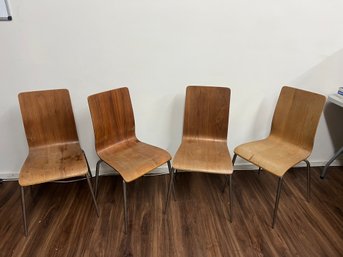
{"points": [[63, 222]]}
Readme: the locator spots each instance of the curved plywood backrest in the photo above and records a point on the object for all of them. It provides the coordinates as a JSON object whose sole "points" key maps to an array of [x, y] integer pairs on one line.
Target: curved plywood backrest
{"points": [[297, 115], [112, 117], [48, 117], [206, 113]]}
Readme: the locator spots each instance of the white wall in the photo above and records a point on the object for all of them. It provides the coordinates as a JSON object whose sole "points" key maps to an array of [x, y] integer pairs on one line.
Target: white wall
{"points": [[156, 48]]}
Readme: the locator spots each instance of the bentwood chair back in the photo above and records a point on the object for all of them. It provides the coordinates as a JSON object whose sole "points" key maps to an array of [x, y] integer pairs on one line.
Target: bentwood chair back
{"points": [[48, 118], [206, 114], [54, 149], [113, 118], [291, 139], [296, 117]]}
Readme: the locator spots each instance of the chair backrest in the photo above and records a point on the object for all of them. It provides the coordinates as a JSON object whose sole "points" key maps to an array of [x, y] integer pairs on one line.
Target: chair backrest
{"points": [[297, 115], [48, 117], [112, 117], [206, 113]]}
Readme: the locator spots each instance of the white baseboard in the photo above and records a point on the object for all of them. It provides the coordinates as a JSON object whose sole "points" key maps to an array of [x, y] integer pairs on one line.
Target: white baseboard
{"points": [[240, 166], [9, 176], [12, 176]]}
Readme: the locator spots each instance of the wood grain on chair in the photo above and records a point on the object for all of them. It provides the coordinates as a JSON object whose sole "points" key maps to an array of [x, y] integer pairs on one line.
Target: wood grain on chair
{"points": [[116, 142], [293, 129], [54, 149], [115, 139], [291, 139], [52, 163], [204, 139]]}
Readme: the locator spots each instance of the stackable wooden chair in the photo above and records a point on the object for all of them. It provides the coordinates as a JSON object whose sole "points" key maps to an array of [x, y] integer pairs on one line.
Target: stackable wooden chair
{"points": [[116, 142], [54, 149], [204, 139], [291, 139]]}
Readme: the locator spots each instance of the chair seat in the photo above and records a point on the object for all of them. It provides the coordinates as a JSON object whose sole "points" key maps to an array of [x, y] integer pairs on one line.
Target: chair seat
{"points": [[207, 156], [56, 162], [272, 154], [132, 159]]}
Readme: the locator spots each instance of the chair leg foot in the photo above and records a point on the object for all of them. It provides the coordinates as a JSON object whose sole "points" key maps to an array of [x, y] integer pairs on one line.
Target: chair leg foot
{"points": [[92, 193], [23, 210], [125, 207], [277, 201]]}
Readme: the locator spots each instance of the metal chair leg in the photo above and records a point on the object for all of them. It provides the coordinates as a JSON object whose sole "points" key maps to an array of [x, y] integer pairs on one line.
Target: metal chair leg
{"points": [[234, 159], [89, 169], [308, 180], [230, 192], [228, 177], [259, 170], [23, 209], [170, 188], [125, 207], [97, 177], [92, 193], [338, 153], [225, 183], [170, 171], [277, 201]]}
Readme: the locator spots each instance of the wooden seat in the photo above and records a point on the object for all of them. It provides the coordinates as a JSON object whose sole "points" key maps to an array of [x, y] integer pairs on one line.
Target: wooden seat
{"points": [[54, 149], [203, 156], [291, 139], [63, 161], [134, 159], [204, 140], [116, 142]]}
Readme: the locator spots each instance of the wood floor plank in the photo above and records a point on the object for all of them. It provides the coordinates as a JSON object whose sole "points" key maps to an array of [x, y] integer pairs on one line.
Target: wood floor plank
{"points": [[63, 222]]}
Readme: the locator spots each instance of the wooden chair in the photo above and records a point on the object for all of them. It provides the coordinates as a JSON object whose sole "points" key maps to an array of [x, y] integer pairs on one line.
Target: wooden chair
{"points": [[204, 140], [116, 142], [54, 149], [291, 139]]}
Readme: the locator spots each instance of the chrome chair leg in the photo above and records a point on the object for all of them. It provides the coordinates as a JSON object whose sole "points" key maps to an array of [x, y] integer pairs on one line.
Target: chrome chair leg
{"points": [[230, 192], [308, 180], [92, 193], [23, 209], [97, 177], [338, 153], [234, 159], [170, 188], [125, 207], [228, 177], [225, 183], [277, 201], [170, 171], [259, 170], [89, 169]]}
